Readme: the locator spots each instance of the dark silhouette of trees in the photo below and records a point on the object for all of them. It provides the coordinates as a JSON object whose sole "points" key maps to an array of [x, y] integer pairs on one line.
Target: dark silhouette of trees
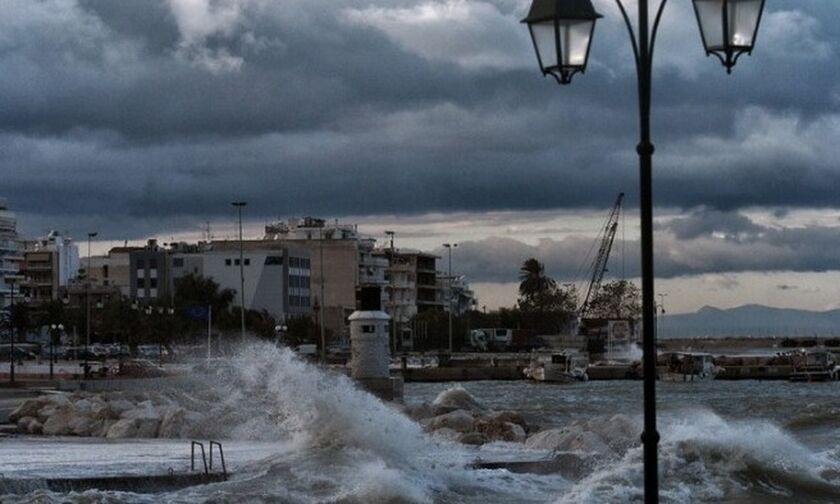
{"points": [[618, 299]]}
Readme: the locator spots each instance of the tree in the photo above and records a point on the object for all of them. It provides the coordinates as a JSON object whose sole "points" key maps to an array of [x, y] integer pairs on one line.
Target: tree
{"points": [[532, 279], [619, 299]]}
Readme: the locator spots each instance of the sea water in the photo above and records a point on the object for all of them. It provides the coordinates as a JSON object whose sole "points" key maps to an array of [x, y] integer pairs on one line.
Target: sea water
{"points": [[293, 433]]}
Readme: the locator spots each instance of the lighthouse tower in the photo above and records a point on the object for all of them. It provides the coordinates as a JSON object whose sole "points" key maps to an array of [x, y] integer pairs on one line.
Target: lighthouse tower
{"points": [[369, 347]]}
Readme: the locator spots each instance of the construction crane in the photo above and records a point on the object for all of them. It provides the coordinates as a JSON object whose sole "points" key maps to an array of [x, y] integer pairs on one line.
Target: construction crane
{"points": [[599, 266]]}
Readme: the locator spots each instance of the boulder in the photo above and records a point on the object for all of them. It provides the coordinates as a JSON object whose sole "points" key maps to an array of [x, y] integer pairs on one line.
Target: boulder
{"points": [[29, 425], [573, 438], [472, 438], [83, 404], [458, 420], [457, 398], [28, 408], [497, 430], [512, 417], [147, 427], [143, 410], [447, 434], [58, 424], [126, 428], [420, 411], [119, 406], [173, 422], [59, 400], [101, 430]]}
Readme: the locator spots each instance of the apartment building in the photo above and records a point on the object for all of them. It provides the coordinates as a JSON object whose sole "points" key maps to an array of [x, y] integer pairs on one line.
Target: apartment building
{"points": [[277, 279], [10, 254], [48, 264]]}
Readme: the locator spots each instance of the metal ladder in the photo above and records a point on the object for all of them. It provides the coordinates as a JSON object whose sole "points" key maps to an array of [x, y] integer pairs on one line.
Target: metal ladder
{"points": [[208, 468]]}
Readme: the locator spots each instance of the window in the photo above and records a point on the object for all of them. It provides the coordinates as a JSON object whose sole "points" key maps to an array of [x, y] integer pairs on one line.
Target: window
{"points": [[294, 262], [141, 264], [368, 329], [178, 262], [227, 262], [153, 283], [236, 262], [105, 271], [305, 263], [247, 261], [141, 283], [274, 261], [152, 263]]}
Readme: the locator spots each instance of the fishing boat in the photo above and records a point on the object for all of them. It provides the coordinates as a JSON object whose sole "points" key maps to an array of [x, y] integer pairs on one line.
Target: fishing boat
{"points": [[557, 368], [686, 367], [817, 364]]}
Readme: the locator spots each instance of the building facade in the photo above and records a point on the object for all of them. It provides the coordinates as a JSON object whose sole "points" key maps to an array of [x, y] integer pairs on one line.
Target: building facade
{"points": [[10, 254], [111, 270], [277, 279], [150, 274], [48, 265], [342, 262]]}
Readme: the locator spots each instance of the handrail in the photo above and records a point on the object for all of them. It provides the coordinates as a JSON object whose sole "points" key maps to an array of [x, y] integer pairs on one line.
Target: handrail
{"points": [[203, 456], [221, 456]]}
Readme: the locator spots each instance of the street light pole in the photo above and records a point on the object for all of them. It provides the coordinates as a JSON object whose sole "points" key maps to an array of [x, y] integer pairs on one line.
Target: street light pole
{"points": [[12, 317], [87, 306], [392, 297], [322, 328], [561, 31], [239, 205], [449, 247]]}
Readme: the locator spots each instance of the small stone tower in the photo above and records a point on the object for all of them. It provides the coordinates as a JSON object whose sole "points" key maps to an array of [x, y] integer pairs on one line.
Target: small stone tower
{"points": [[369, 347]]}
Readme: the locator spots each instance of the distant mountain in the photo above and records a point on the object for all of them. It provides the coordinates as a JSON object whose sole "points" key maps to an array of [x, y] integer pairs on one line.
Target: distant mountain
{"points": [[750, 320]]}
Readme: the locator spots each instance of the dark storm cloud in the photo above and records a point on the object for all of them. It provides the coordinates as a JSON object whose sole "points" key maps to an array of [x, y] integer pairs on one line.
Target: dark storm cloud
{"points": [[699, 243], [157, 113]]}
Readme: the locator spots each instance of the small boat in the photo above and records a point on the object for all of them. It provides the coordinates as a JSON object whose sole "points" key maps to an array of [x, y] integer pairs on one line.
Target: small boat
{"points": [[817, 364], [686, 367], [556, 368]]}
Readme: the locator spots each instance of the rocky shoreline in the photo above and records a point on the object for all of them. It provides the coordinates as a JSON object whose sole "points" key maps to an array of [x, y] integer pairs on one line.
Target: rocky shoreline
{"points": [[453, 416]]}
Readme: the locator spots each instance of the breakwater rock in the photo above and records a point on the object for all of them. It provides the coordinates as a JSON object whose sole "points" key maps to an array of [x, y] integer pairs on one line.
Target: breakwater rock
{"points": [[112, 415], [457, 416]]}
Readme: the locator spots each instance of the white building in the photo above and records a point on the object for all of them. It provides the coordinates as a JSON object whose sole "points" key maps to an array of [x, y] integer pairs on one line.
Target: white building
{"points": [[10, 254], [66, 252], [277, 280], [456, 293]]}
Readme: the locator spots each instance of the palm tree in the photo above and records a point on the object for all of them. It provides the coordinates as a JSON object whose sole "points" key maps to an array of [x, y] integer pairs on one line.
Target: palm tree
{"points": [[532, 279]]}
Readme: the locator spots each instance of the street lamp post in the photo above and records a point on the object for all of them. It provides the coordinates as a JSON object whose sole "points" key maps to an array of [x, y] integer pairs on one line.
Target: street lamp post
{"points": [[393, 294], [449, 247], [660, 313], [561, 31], [12, 316], [55, 333], [90, 236], [239, 205]]}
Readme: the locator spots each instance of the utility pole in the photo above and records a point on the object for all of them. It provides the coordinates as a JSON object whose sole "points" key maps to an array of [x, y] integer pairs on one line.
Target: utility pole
{"points": [[239, 205]]}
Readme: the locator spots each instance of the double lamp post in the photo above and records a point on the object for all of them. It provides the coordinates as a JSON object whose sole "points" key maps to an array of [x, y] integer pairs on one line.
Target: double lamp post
{"points": [[561, 31]]}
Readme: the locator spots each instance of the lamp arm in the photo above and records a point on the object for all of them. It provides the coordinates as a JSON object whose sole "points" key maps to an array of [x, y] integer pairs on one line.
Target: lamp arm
{"points": [[630, 31], [655, 31]]}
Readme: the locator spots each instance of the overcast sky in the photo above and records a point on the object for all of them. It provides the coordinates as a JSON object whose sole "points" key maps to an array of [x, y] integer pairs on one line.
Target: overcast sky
{"points": [[146, 118]]}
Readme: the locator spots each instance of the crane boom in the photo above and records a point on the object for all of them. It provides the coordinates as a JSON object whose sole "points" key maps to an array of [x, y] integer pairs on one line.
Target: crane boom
{"points": [[599, 266]]}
